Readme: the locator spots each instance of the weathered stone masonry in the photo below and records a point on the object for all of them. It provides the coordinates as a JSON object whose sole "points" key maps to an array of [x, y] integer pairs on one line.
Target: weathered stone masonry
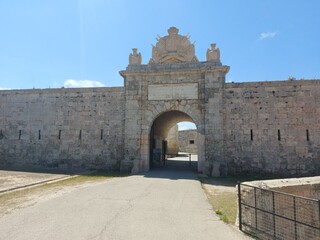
{"points": [[261, 127], [273, 127], [66, 128], [188, 141]]}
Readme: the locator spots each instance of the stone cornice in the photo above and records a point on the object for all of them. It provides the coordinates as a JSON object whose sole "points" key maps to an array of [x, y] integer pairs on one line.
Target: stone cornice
{"points": [[177, 68], [274, 83], [119, 89]]}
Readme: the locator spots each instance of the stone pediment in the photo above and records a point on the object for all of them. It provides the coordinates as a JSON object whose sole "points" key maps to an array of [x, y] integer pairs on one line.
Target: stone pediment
{"points": [[173, 48]]}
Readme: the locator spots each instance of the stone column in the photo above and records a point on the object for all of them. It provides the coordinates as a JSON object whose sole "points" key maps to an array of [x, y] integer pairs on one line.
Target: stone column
{"points": [[215, 164], [132, 130]]}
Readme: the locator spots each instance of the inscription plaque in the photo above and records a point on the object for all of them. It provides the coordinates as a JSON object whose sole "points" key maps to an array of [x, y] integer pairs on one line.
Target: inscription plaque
{"points": [[173, 91]]}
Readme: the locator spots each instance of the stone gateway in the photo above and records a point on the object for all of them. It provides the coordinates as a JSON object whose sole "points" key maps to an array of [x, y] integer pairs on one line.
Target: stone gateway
{"points": [[256, 127]]}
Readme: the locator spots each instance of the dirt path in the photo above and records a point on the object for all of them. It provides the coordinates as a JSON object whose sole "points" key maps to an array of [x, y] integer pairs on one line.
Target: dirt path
{"points": [[21, 198]]}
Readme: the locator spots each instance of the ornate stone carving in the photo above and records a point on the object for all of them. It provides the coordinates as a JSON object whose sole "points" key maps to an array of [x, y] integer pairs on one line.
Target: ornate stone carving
{"points": [[213, 54], [173, 48], [135, 57]]}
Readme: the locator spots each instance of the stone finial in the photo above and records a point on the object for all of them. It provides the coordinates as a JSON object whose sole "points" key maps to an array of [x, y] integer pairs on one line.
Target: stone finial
{"points": [[135, 57], [213, 54], [173, 31]]}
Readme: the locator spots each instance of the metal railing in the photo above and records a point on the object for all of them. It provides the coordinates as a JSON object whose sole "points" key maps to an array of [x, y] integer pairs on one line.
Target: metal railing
{"points": [[269, 214]]}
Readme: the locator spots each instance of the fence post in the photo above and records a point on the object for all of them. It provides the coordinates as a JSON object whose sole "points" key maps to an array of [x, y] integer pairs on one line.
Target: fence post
{"points": [[274, 216], [319, 215], [239, 206], [295, 218], [255, 207]]}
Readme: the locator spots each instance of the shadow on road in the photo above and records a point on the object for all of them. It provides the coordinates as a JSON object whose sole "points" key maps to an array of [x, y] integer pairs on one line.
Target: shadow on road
{"points": [[172, 173], [183, 166]]}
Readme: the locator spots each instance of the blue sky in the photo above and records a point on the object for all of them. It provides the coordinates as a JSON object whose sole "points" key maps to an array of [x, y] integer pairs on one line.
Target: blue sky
{"points": [[55, 43]]}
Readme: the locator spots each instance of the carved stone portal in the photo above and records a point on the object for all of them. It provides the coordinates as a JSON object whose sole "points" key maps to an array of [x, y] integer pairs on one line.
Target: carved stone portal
{"points": [[173, 48]]}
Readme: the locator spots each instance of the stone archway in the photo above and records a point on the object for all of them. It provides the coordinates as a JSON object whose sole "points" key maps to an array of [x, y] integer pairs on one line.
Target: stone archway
{"points": [[159, 130], [171, 114]]}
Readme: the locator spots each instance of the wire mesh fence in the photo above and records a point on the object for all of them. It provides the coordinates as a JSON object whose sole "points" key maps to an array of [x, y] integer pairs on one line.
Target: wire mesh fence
{"points": [[268, 214]]}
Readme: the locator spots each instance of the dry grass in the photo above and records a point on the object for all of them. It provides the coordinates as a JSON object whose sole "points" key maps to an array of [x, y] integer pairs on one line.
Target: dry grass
{"points": [[223, 200], [225, 205], [222, 195], [28, 196]]}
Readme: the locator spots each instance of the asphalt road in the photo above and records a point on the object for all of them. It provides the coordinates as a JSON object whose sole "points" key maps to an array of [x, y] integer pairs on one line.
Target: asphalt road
{"points": [[162, 204]]}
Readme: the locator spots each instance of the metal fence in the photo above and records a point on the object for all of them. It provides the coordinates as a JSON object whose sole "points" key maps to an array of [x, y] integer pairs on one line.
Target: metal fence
{"points": [[268, 214]]}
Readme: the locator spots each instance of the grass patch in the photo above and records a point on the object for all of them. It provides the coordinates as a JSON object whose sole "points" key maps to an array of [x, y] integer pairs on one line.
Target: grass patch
{"points": [[225, 206], [222, 195], [16, 199]]}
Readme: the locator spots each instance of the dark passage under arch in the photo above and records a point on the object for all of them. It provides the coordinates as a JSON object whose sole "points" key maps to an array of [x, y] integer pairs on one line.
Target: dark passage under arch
{"points": [[159, 141]]}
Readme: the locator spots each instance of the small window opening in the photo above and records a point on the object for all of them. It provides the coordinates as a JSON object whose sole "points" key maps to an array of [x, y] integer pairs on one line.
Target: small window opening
{"points": [[39, 134], [1, 134], [20, 132], [80, 134], [251, 135], [279, 135], [307, 133], [191, 141], [59, 136], [101, 134]]}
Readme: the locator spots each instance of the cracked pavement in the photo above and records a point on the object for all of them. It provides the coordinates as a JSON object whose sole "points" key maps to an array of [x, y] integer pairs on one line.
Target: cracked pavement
{"points": [[161, 204]]}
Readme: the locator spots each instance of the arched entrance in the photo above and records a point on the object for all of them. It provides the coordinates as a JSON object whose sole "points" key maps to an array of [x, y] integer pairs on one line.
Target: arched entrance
{"points": [[173, 87], [164, 124]]}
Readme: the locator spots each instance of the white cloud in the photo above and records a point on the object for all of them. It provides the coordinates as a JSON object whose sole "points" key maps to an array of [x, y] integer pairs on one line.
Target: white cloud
{"points": [[71, 83], [186, 126], [2, 88], [266, 35]]}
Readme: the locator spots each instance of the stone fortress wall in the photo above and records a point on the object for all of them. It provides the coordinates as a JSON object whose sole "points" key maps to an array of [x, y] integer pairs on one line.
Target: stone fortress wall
{"points": [[188, 141], [273, 127], [253, 127], [181, 141], [65, 128]]}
